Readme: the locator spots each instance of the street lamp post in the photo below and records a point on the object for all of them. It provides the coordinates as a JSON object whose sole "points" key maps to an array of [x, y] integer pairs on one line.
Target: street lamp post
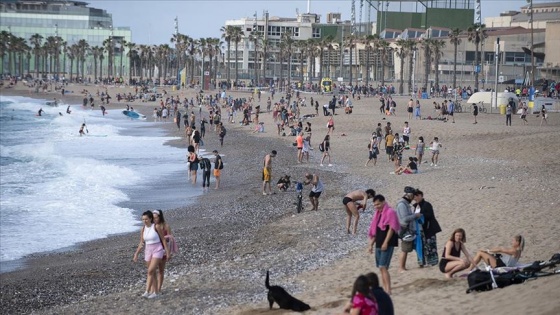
{"points": [[531, 95]]}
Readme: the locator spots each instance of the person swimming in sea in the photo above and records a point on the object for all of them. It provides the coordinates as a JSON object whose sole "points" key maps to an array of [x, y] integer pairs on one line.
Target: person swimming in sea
{"points": [[68, 111], [40, 112], [82, 129]]}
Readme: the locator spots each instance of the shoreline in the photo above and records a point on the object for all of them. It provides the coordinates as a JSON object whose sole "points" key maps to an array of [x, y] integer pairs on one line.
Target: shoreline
{"points": [[236, 237]]}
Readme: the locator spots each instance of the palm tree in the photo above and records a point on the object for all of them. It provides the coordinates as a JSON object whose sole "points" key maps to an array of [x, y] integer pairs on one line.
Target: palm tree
{"points": [[236, 34], [301, 47], [288, 42], [83, 51], [36, 40], [368, 41], [131, 54], [192, 49], [437, 53], [427, 46], [4, 48], [411, 46], [476, 33], [312, 47], [227, 32], [350, 42], [265, 43], [216, 52], [96, 52], [401, 53], [328, 44], [71, 52], [254, 37], [109, 47], [384, 50], [455, 40]]}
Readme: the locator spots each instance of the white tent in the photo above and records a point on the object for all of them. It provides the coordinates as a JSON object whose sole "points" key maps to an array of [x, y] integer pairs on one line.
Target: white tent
{"points": [[487, 98]]}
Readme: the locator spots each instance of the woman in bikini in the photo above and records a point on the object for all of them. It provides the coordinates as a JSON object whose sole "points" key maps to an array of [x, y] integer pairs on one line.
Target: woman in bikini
{"points": [[501, 256]]}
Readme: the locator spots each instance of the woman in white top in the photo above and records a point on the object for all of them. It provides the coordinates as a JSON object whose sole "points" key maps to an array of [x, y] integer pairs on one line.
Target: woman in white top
{"points": [[153, 253], [501, 256], [434, 146]]}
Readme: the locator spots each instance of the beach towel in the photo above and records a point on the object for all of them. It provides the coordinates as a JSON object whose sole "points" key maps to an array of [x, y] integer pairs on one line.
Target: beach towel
{"points": [[383, 218]]}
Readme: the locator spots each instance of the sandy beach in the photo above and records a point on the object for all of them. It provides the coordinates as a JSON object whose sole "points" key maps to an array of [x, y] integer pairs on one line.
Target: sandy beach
{"points": [[493, 180]]}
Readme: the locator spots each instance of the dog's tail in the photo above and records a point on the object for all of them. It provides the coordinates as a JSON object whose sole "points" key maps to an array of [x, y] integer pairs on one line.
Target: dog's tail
{"points": [[266, 283]]}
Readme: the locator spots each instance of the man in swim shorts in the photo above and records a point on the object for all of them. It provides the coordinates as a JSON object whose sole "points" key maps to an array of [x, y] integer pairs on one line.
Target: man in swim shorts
{"points": [[316, 190], [267, 172], [349, 202]]}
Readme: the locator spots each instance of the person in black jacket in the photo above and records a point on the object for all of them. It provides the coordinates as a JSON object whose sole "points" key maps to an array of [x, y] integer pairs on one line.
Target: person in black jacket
{"points": [[430, 228], [206, 167]]}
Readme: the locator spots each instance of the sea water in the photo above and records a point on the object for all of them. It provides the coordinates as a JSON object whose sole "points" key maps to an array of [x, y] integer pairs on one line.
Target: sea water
{"points": [[59, 188]]}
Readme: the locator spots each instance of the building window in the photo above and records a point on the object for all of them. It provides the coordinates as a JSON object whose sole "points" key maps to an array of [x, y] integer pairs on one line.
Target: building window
{"points": [[316, 33]]}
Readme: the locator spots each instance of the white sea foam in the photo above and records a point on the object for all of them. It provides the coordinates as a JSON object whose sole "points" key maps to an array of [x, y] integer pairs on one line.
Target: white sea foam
{"points": [[58, 189]]}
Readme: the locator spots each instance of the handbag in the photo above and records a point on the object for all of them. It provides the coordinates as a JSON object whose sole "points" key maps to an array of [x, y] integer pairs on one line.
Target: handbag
{"points": [[406, 234]]}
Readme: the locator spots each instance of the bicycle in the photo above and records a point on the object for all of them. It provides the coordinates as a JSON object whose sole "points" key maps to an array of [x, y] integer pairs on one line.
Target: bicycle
{"points": [[458, 107], [481, 108]]}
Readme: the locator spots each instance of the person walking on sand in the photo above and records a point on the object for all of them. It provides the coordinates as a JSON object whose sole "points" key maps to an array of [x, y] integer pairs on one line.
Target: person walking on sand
{"points": [[435, 145], [450, 111], [509, 110], [373, 150], [218, 167], [330, 125], [417, 112], [475, 112], [406, 133], [267, 172], [316, 190], [193, 162], [325, 147], [206, 167], [420, 147], [349, 202], [161, 225], [410, 109], [544, 116], [155, 248], [383, 233], [524, 110], [299, 144]]}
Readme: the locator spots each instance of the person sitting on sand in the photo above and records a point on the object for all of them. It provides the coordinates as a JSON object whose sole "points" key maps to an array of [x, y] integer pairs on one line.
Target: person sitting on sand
{"points": [[363, 302], [284, 183], [410, 168], [349, 202], [501, 256], [451, 261]]}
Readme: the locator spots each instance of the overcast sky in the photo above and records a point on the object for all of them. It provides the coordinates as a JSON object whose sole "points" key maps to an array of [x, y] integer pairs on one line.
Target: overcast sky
{"points": [[152, 22]]}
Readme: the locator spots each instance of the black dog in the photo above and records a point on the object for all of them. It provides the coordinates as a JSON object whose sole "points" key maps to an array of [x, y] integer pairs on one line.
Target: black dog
{"points": [[284, 299]]}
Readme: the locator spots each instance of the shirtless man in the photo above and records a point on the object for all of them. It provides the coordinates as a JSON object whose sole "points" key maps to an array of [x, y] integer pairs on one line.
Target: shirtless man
{"points": [[267, 172], [349, 202]]}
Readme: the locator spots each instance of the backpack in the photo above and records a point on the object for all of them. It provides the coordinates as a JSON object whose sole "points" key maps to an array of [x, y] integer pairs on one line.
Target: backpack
{"points": [[322, 147]]}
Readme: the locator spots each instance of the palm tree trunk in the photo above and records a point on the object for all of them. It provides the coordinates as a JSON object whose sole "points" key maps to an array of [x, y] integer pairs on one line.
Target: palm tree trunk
{"points": [[427, 67], [410, 70], [236, 64], [436, 66], [228, 62], [401, 81], [350, 64], [476, 65], [455, 65]]}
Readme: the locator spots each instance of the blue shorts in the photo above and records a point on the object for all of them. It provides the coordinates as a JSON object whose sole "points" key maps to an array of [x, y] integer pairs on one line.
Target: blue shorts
{"points": [[383, 258]]}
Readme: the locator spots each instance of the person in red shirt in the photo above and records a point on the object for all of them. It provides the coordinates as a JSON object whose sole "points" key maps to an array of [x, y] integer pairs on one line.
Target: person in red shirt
{"points": [[299, 144]]}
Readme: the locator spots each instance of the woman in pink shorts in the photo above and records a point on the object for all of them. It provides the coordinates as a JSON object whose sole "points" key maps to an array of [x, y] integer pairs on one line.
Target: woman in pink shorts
{"points": [[153, 254]]}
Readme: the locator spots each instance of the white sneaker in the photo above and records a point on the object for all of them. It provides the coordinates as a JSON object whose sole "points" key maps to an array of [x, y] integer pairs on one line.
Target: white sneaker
{"points": [[431, 164], [146, 294], [435, 164], [153, 296], [330, 164], [321, 164]]}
